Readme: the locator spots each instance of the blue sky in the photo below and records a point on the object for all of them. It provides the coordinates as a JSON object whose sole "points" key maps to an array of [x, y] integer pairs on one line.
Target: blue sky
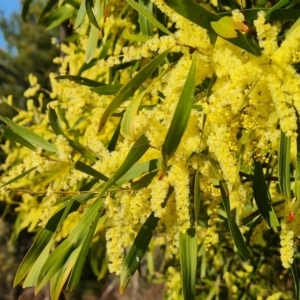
{"points": [[8, 7]]}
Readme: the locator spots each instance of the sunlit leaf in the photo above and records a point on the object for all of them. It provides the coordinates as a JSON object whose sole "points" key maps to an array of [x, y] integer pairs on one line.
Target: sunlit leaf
{"points": [[224, 27], [80, 15], [284, 161], [137, 251], [29, 135], [145, 13], [134, 37], [181, 115], [80, 80], [18, 177], [234, 229], [82, 167], [131, 86], [261, 196], [188, 262]]}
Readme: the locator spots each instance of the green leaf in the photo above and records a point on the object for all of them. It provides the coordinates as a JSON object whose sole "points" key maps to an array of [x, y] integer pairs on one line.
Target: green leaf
{"points": [[94, 30], [200, 16], [80, 15], [278, 14], [296, 205], [135, 153], [188, 262], [114, 139], [224, 27], [31, 278], [91, 44], [25, 9], [234, 229], [131, 86], [294, 269], [58, 281], [47, 8], [145, 25], [55, 124], [89, 5], [127, 124], [9, 134], [295, 25], [58, 16], [193, 12], [260, 193], [257, 213], [80, 80], [148, 16], [76, 238], [39, 244], [137, 251], [76, 272], [134, 37], [181, 115], [139, 169], [284, 161], [29, 136], [82, 167], [275, 7], [107, 89], [18, 177]]}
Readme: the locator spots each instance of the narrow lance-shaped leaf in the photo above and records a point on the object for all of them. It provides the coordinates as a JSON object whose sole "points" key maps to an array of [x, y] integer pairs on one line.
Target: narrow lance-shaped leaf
{"points": [[260, 193], [80, 15], [39, 244], [76, 271], [94, 30], [134, 37], [18, 177], [131, 86], [142, 11], [80, 80], [57, 258], [29, 135], [25, 9], [294, 269], [284, 161], [276, 6], [181, 115], [188, 262], [12, 136], [89, 5], [55, 125], [234, 229], [82, 167], [58, 16], [127, 122], [59, 279], [31, 278], [107, 89], [136, 253], [296, 204], [199, 15], [146, 26], [76, 238], [139, 247]]}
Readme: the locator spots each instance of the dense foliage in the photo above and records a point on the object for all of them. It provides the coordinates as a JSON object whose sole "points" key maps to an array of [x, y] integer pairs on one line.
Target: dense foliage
{"points": [[172, 127]]}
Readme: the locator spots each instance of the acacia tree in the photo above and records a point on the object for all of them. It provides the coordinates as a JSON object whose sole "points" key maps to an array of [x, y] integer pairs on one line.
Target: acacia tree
{"points": [[172, 127]]}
